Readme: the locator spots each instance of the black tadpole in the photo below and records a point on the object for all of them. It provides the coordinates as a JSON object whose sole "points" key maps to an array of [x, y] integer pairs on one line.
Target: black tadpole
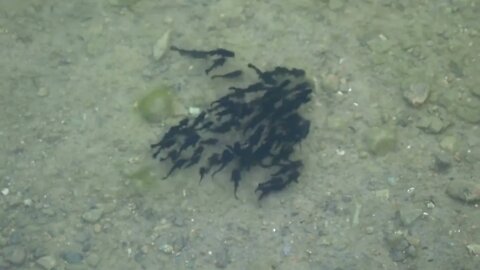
{"points": [[253, 126], [204, 54], [216, 63], [229, 75]]}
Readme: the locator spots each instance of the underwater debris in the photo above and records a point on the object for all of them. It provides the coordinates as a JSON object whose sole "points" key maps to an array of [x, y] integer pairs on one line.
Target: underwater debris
{"points": [[256, 126]]}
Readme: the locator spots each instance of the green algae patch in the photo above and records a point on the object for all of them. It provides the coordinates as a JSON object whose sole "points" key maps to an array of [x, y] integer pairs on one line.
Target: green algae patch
{"points": [[380, 140], [157, 105], [143, 178]]}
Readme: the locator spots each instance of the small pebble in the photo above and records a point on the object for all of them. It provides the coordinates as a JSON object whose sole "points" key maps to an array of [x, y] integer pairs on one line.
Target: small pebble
{"points": [[411, 251], [194, 111], [417, 94], [27, 202], [179, 243], [93, 260], [167, 249], [15, 238], [16, 255], [179, 221], [47, 262], [474, 249], [286, 249], [430, 205], [72, 257], [5, 191], [449, 143], [442, 162], [161, 46], [408, 215], [97, 228], [392, 180], [93, 215], [465, 191]]}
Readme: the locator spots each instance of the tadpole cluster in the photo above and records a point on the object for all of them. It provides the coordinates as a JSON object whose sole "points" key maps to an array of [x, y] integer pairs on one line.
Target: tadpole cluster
{"points": [[256, 126]]}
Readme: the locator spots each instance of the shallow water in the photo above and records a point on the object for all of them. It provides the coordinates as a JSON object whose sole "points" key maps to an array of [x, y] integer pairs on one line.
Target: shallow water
{"points": [[395, 121]]}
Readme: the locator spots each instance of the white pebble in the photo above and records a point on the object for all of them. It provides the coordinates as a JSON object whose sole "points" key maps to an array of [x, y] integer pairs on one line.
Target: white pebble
{"points": [[161, 46], [27, 202], [5, 191], [194, 111]]}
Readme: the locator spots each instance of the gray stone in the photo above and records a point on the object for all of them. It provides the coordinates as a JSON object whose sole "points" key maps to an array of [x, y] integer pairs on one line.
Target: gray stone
{"points": [[93, 215], [72, 257], [442, 162], [15, 255], [432, 124], [408, 215], [93, 260], [166, 248], [469, 113], [179, 221], [179, 243], [417, 94], [47, 262], [464, 191]]}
